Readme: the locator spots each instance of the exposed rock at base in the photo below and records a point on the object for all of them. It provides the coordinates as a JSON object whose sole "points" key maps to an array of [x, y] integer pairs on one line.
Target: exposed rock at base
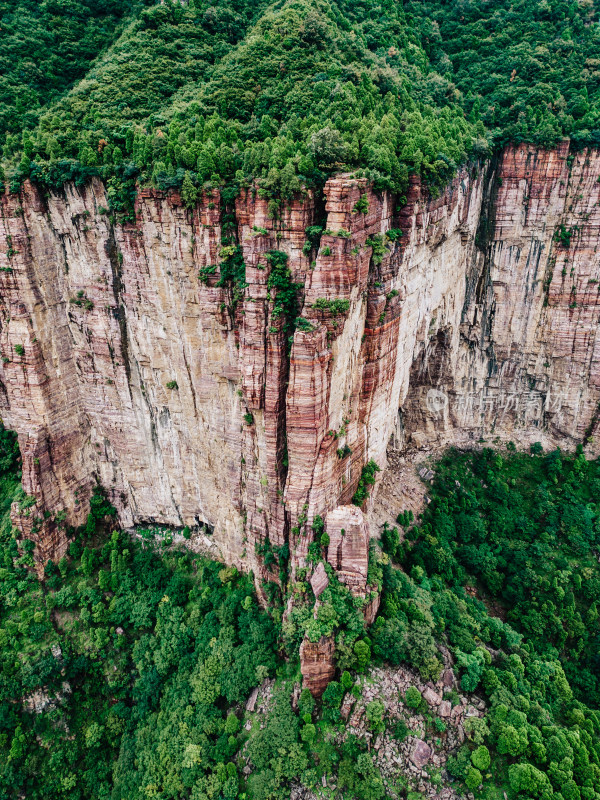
{"points": [[372, 607], [316, 664], [421, 754], [319, 580], [251, 702]]}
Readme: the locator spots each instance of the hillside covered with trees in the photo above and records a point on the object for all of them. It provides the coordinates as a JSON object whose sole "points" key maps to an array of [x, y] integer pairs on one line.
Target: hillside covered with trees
{"points": [[287, 92], [127, 672], [137, 668]]}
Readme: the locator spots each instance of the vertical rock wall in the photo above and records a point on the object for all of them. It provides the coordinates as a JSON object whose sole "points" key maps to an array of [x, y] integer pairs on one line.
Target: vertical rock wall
{"points": [[188, 402], [522, 363]]}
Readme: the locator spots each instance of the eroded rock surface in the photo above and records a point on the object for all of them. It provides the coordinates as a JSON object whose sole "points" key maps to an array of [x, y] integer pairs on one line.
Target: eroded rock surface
{"points": [[130, 360], [316, 660]]}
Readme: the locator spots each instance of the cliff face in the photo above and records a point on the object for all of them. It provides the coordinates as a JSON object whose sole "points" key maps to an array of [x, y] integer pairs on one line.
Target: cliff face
{"points": [[521, 361], [187, 401]]}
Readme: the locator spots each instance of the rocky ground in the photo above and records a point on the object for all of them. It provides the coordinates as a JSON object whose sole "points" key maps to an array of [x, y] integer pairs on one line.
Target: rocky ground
{"points": [[416, 760]]}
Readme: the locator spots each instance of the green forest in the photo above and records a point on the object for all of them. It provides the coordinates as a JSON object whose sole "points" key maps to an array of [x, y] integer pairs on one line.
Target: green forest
{"points": [[285, 93], [125, 673]]}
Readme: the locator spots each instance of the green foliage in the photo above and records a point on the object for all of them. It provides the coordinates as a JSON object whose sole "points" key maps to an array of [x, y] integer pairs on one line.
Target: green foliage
{"points": [[206, 272], [232, 268], [335, 307], [313, 239], [375, 711], [377, 243], [306, 702], [527, 539], [276, 752], [134, 655], [283, 291], [473, 778], [390, 540], [563, 235], [172, 385], [362, 652], [359, 778], [412, 697], [303, 92], [480, 758], [362, 205], [9, 452], [189, 192], [46, 48], [344, 452], [393, 235], [525, 70], [520, 530], [285, 94], [367, 478]]}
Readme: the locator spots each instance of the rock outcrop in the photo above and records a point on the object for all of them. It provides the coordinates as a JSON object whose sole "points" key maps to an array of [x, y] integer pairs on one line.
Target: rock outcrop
{"points": [[316, 663], [134, 356]]}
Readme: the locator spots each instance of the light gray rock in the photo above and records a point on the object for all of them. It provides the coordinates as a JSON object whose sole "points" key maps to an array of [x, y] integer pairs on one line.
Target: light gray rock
{"points": [[319, 580], [432, 697], [448, 678], [251, 702]]}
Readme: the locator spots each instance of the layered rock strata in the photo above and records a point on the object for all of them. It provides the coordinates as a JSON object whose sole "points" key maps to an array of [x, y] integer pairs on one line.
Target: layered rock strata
{"points": [[132, 359]]}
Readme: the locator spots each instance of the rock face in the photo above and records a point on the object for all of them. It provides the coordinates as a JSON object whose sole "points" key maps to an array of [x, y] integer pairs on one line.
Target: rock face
{"points": [[348, 550], [316, 663], [521, 360], [130, 359]]}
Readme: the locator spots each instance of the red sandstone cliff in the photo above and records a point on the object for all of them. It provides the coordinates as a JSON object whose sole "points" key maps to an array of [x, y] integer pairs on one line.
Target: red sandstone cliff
{"points": [[480, 319]]}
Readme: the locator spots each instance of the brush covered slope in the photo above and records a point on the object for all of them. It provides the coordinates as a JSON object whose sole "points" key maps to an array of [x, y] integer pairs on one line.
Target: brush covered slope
{"points": [[289, 91], [139, 668]]}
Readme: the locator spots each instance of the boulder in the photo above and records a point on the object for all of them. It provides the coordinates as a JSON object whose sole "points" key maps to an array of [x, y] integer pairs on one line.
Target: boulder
{"points": [[319, 580], [316, 664], [421, 754]]}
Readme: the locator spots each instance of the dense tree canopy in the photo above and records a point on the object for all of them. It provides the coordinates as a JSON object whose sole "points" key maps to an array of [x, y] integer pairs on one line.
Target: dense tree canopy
{"points": [[125, 673], [287, 92], [48, 46], [503, 566]]}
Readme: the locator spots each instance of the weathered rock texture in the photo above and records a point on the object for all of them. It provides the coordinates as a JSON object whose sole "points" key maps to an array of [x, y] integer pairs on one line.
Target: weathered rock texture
{"points": [[480, 320], [521, 359], [316, 663]]}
